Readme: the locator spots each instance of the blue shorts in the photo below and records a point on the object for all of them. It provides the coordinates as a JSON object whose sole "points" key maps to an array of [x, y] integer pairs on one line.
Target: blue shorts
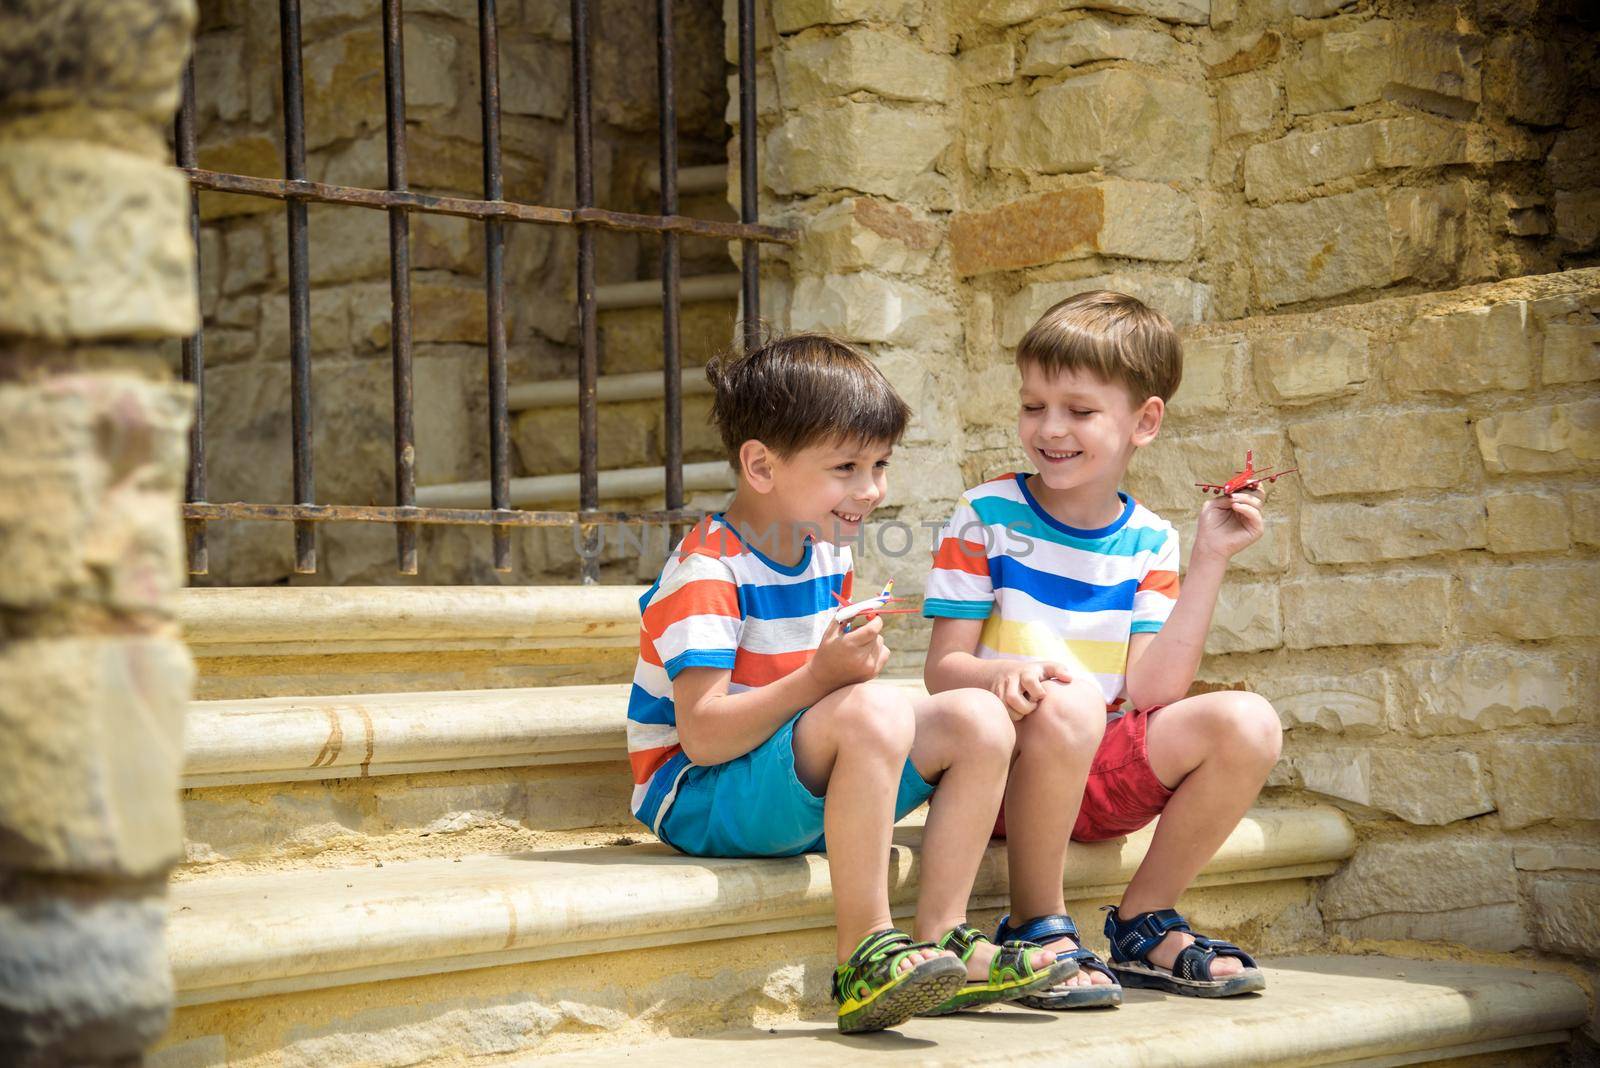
{"points": [[755, 805]]}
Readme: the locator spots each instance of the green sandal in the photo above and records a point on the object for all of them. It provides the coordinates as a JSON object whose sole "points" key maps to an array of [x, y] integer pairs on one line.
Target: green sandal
{"points": [[873, 992], [1011, 973]]}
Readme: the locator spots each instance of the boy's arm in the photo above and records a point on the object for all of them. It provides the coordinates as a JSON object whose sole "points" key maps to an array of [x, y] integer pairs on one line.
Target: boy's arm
{"points": [[951, 663], [715, 726]]}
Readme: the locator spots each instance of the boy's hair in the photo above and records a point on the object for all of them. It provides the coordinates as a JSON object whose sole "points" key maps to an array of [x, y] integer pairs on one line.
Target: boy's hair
{"points": [[1113, 336], [792, 392]]}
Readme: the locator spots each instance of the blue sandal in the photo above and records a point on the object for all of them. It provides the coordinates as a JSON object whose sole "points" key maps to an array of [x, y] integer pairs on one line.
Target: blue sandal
{"points": [[1044, 930], [1133, 939]]}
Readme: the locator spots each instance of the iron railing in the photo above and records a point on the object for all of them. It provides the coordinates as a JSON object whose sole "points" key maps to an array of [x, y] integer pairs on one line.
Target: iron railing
{"points": [[400, 202]]}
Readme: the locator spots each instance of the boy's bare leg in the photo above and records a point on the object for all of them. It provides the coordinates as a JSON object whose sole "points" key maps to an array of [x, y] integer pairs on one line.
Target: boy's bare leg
{"points": [[1217, 749], [850, 748], [964, 741], [1056, 743]]}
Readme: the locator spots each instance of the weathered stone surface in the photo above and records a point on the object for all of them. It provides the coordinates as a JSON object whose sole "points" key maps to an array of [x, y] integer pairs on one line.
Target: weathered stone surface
{"points": [[1385, 609], [862, 60], [1585, 515], [1316, 9], [1496, 928], [1436, 69], [1566, 914], [1426, 231], [247, 264], [1533, 602], [1527, 77], [1349, 532], [1123, 122], [988, 64], [1377, 453], [1430, 876], [1246, 619], [1248, 103], [1212, 377], [866, 147], [1485, 689], [791, 16], [1557, 856], [1139, 220], [1341, 69], [866, 307], [535, 76], [1278, 169], [1183, 302], [1163, 474], [865, 234], [1353, 704], [1320, 249], [1540, 778], [96, 244], [1421, 787], [1240, 53], [1467, 351], [1527, 523], [344, 87], [1313, 364], [1571, 353], [1012, 12], [1085, 40], [1555, 437], [71, 713], [1578, 217]]}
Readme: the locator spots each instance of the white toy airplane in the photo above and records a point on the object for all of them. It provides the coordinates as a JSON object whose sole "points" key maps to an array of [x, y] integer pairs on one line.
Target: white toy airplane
{"points": [[866, 611]]}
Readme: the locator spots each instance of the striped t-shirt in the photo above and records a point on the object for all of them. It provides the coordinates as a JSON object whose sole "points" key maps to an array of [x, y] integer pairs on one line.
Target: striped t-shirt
{"points": [[1048, 591], [720, 603]]}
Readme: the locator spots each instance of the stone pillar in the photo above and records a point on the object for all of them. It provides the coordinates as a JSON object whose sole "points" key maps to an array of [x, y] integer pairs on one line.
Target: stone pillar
{"points": [[94, 676]]}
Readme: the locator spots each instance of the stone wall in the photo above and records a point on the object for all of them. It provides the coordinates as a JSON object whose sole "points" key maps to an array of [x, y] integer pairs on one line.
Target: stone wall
{"points": [[1372, 222], [94, 678], [244, 253]]}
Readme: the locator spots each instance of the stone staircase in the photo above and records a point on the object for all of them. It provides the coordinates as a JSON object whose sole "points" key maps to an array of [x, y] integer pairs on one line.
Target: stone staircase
{"points": [[408, 843]]}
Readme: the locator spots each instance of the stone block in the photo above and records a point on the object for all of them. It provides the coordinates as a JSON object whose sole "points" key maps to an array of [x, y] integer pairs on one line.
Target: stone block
{"points": [[1246, 619], [866, 308], [1467, 351], [1228, 55], [1085, 40], [1012, 12], [1316, 9], [1163, 474], [1270, 555], [535, 76], [441, 311], [1278, 169], [1383, 609], [1350, 532], [246, 262], [879, 62], [1379, 453], [866, 147], [1554, 437], [1353, 703], [1539, 778], [330, 323], [1533, 602], [867, 234], [1248, 103], [1566, 915], [1123, 122], [1571, 353], [1341, 69], [1436, 69], [1577, 216], [1213, 379], [1557, 856], [1527, 523], [97, 244], [1424, 787], [92, 729], [988, 64], [1426, 231], [1183, 302], [1312, 364], [1486, 689], [1496, 928], [1428, 876], [1138, 220], [1321, 248], [792, 16], [1527, 77], [1585, 515]]}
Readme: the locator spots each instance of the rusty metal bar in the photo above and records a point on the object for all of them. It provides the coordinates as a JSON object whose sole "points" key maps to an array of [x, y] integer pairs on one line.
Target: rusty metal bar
{"points": [[588, 330], [494, 281], [294, 166], [405, 446], [749, 209], [362, 513], [194, 354], [467, 208], [671, 362]]}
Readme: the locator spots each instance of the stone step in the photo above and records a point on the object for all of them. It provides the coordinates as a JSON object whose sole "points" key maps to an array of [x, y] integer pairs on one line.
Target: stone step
{"points": [[692, 289], [1359, 1012], [609, 389], [543, 491], [693, 181], [314, 640]]}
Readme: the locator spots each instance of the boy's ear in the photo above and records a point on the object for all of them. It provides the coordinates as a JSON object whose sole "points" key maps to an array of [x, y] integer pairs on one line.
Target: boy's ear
{"points": [[1148, 423], [755, 465]]}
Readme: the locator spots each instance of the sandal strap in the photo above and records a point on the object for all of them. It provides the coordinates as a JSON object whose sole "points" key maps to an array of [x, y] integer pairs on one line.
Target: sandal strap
{"points": [[874, 959], [1194, 962], [961, 940], [1133, 939], [1045, 930]]}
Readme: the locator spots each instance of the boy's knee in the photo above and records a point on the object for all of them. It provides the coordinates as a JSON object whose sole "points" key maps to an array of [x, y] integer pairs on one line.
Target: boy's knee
{"points": [[873, 716], [979, 721], [1072, 717], [1253, 727]]}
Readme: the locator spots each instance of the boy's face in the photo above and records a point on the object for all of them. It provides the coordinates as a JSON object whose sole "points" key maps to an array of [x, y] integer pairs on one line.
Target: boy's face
{"points": [[832, 487], [1080, 430]]}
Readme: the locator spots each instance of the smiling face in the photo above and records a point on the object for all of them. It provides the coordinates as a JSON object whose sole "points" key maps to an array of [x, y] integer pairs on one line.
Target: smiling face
{"points": [[831, 488], [1080, 431]]}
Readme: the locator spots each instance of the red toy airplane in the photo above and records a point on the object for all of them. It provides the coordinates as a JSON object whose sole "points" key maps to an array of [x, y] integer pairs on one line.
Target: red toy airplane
{"points": [[1248, 479], [866, 611]]}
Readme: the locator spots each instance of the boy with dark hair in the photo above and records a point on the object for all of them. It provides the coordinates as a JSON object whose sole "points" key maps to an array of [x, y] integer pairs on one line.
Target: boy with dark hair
{"points": [[755, 727], [1087, 641]]}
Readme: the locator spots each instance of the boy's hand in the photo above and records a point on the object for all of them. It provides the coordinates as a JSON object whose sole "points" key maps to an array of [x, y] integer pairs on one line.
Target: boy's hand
{"points": [[1020, 684], [843, 659], [1230, 524]]}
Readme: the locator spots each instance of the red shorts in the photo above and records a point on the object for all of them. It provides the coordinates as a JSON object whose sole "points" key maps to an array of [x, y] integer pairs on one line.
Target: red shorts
{"points": [[1123, 793]]}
